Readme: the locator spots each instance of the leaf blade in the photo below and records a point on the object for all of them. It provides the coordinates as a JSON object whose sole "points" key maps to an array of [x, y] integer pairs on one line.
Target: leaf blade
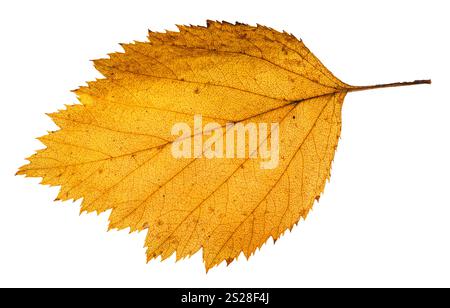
{"points": [[113, 150]]}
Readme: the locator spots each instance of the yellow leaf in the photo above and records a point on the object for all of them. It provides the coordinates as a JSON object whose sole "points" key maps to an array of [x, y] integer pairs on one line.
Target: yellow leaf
{"points": [[115, 149]]}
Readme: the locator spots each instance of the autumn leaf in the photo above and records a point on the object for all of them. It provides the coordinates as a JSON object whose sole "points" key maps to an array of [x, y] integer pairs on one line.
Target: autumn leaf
{"points": [[115, 149]]}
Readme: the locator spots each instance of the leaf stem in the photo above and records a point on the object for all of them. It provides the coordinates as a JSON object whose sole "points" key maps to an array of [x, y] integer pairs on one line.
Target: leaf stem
{"points": [[390, 85]]}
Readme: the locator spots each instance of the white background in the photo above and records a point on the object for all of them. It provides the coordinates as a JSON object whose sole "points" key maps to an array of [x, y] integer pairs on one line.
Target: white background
{"points": [[384, 219]]}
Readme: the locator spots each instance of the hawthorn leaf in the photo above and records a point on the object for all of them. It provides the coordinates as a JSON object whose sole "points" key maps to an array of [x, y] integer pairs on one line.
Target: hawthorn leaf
{"points": [[114, 149]]}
